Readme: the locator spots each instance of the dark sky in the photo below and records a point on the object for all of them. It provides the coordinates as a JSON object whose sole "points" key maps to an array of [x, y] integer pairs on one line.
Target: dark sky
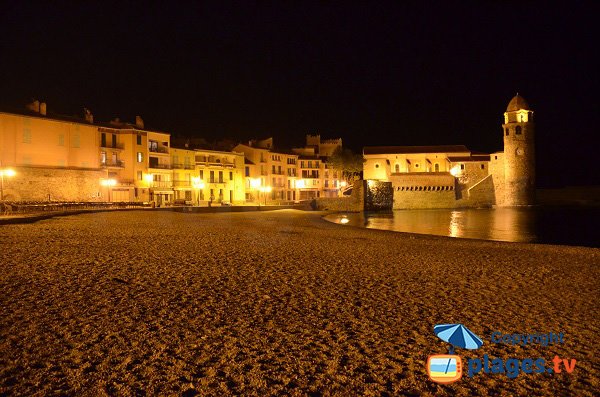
{"points": [[373, 73]]}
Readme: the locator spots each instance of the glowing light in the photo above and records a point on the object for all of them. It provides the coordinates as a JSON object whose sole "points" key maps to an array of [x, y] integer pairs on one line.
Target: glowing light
{"points": [[300, 184], [455, 171], [265, 189], [255, 183], [8, 172], [343, 184], [344, 220], [148, 178], [197, 183], [108, 182]]}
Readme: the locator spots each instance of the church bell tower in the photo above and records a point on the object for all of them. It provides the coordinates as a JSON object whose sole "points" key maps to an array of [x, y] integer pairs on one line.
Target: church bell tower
{"points": [[519, 153]]}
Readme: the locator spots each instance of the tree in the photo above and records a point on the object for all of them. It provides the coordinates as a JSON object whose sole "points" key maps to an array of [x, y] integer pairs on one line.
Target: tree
{"points": [[349, 164]]}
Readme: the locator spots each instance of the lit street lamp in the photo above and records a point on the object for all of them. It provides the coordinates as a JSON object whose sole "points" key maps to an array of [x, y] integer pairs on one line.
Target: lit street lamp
{"points": [[108, 183], [198, 185], [265, 190], [9, 173]]}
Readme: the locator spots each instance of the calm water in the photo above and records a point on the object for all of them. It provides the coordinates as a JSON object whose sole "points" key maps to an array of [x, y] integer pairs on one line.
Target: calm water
{"points": [[569, 226]]}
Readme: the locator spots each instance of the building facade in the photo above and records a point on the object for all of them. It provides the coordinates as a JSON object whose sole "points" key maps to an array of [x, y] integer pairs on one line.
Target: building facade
{"points": [[454, 176]]}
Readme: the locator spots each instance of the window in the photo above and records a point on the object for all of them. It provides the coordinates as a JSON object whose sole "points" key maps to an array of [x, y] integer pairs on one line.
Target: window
{"points": [[436, 167], [397, 168], [220, 176], [483, 166], [139, 139], [247, 171], [114, 140], [26, 135], [507, 132], [140, 157], [202, 174], [230, 175], [376, 165], [103, 139], [103, 157], [139, 175], [495, 157], [61, 140], [76, 139], [462, 166], [518, 130], [417, 165], [212, 177]]}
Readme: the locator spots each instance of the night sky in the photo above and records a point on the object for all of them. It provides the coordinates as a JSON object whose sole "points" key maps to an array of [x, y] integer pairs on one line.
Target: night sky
{"points": [[374, 74]]}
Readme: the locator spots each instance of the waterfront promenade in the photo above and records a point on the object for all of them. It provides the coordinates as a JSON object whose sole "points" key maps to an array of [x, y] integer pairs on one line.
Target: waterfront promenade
{"points": [[282, 302]]}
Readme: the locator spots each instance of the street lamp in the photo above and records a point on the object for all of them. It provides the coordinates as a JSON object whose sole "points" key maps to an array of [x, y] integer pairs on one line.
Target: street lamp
{"points": [[9, 173], [265, 190], [198, 185], [108, 183]]}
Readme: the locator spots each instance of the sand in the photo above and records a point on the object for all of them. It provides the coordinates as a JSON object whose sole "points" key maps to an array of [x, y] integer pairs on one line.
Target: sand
{"points": [[278, 303]]}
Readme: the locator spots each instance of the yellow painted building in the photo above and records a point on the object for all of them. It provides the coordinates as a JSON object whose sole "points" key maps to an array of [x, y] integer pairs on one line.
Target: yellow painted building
{"points": [[269, 176], [54, 159]]}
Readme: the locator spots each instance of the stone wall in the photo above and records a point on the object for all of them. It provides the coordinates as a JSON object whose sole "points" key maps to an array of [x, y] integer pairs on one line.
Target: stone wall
{"points": [[55, 184], [424, 190], [378, 195], [353, 203]]}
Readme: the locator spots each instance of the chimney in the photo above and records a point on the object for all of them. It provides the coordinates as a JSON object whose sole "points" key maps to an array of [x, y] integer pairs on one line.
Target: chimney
{"points": [[89, 117], [139, 123], [34, 106], [43, 108]]}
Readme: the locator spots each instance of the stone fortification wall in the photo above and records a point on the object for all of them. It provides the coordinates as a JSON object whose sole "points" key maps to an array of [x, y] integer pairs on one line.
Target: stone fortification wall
{"points": [[497, 172], [55, 184], [479, 195], [353, 203], [424, 190]]}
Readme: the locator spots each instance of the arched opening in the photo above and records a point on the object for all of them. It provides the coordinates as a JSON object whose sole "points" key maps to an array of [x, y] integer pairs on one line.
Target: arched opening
{"points": [[518, 130]]}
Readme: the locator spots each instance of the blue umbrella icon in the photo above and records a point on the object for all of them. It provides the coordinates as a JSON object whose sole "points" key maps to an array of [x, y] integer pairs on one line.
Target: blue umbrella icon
{"points": [[458, 335]]}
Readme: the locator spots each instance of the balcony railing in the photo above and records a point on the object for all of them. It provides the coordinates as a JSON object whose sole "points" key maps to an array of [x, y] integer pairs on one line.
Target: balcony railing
{"points": [[182, 184], [112, 164], [216, 180], [109, 145], [183, 166], [163, 184], [159, 149], [215, 164], [160, 166]]}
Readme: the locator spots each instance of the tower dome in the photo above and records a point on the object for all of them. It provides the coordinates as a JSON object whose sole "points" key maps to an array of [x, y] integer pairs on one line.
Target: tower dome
{"points": [[517, 103]]}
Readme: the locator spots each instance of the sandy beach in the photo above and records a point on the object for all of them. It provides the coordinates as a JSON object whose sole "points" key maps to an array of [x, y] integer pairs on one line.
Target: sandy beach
{"points": [[278, 303]]}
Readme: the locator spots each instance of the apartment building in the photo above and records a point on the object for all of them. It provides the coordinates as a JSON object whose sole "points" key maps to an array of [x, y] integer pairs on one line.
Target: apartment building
{"points": [[54, 158], [316, 177], [269, 176]]}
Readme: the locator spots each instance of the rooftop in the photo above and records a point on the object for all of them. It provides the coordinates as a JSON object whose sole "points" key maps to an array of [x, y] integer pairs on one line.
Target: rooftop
{"points": [[415, 149]]}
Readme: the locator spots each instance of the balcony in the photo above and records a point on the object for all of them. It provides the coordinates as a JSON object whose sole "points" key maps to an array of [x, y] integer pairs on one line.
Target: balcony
{"points": [[112, 164], [215, 164], [160, 166], [183, 166], [182, 184], [111, 146], [216, 180], [161, 184], [158, 149]]}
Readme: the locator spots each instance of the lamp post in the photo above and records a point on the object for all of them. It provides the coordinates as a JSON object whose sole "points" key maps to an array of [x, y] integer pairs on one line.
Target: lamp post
{"points": [[265, 190], [109, 183], [198, 185], [9, 173]]}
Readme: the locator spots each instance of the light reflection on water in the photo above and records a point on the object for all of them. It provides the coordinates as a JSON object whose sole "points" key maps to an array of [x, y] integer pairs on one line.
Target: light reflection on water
{"points": [[571, 226]]}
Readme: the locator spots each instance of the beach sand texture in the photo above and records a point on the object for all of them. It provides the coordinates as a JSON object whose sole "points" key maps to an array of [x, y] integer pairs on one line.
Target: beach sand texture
{"points": [[278, 303]]}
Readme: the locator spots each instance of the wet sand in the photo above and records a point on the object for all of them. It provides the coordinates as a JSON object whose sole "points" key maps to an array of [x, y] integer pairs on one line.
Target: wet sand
{"points": [[278, 303]]}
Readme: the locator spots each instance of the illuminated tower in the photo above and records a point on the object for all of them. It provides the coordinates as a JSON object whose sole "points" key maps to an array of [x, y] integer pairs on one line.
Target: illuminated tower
{"points": [[519, 153]]}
